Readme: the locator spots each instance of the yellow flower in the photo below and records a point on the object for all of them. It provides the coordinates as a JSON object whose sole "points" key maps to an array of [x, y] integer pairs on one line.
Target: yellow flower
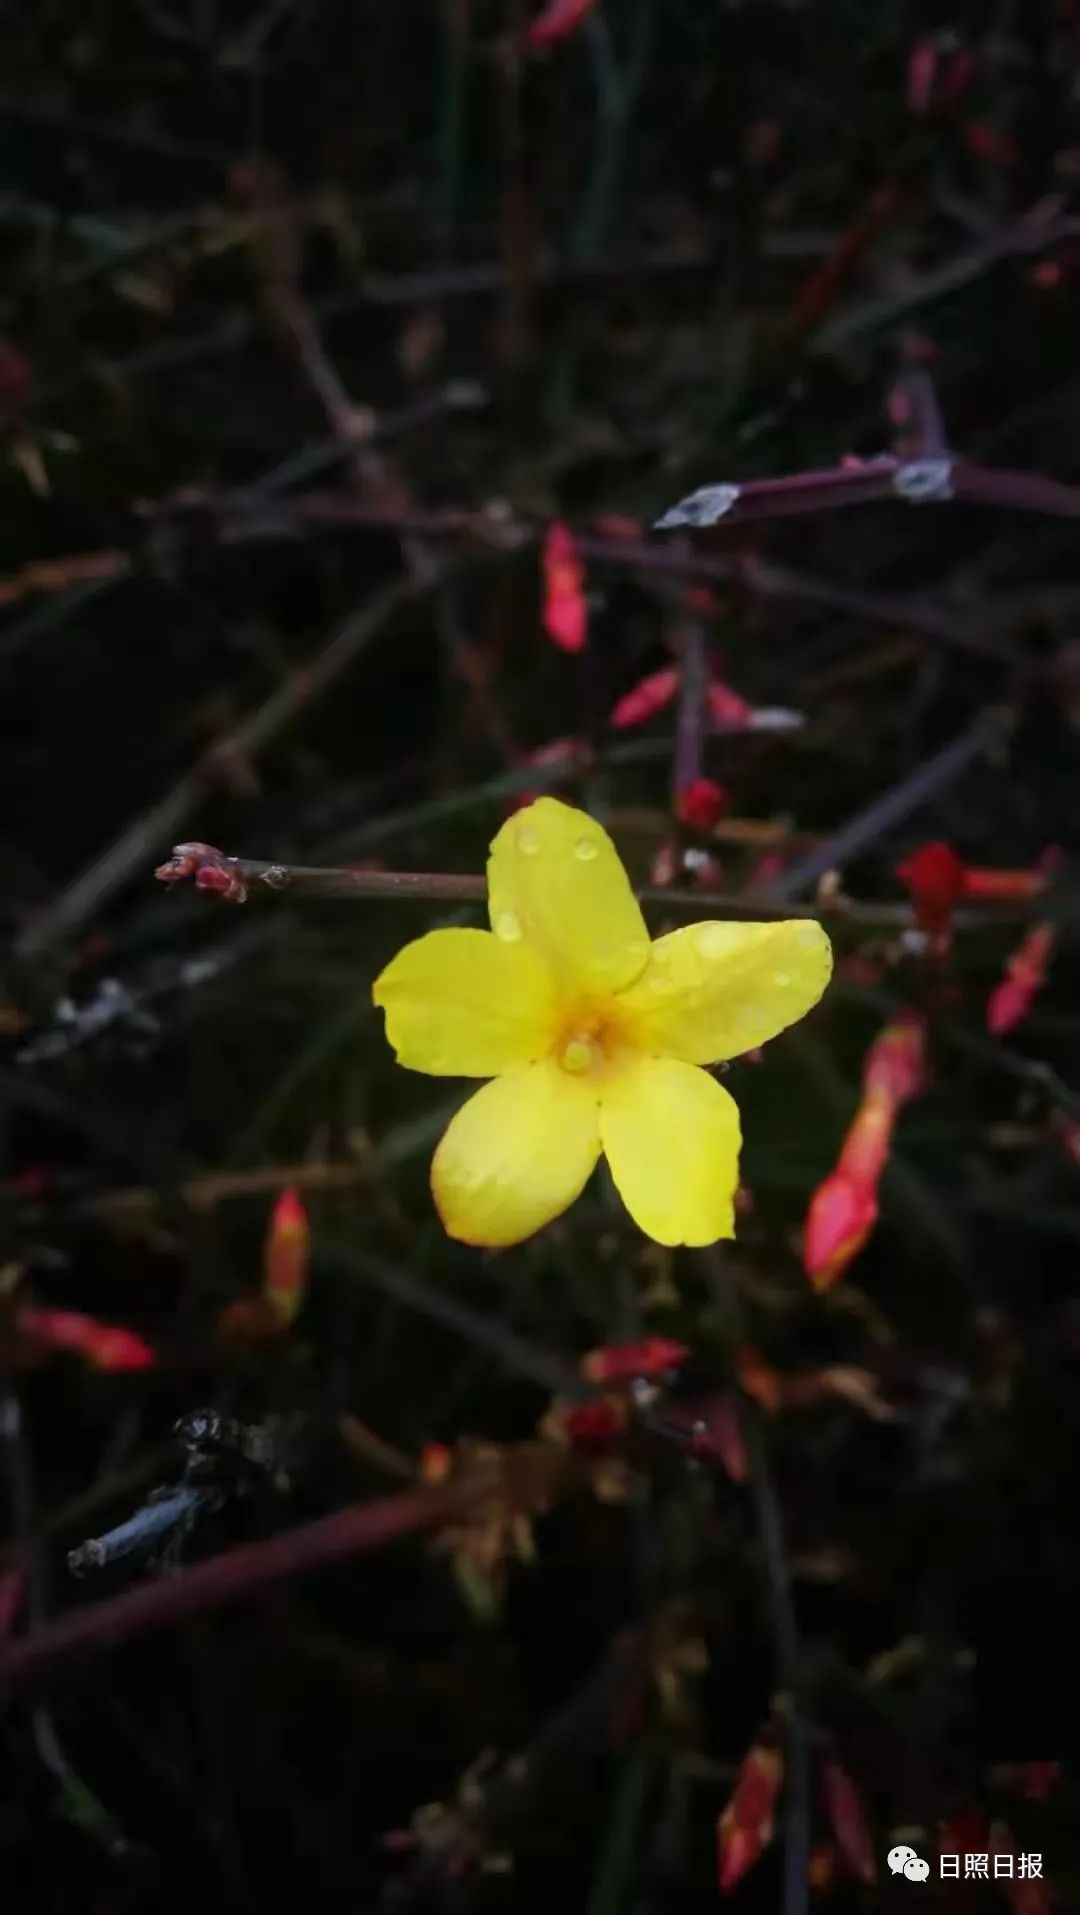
{"points": [[594, 1038]]}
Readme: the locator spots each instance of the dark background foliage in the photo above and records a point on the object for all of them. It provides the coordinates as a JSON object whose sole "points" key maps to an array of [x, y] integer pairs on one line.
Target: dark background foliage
{"points": [[275, 272]]}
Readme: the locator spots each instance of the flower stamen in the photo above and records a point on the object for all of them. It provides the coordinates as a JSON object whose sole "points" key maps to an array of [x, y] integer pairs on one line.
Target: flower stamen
{"points": [[579, 1054]]}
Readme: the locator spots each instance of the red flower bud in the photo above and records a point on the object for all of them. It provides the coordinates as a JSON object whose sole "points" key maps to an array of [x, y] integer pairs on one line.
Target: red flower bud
{"points": [[622, 1362], [106, 1346], [726, 707], [566, 616], [594, 1426], [847, 1817], [934, 875], [746, 1826], [556, 21], [286, 1257], [895, 1066], [700, 803], [1024, 977], [646, 699], [841, 1216]]}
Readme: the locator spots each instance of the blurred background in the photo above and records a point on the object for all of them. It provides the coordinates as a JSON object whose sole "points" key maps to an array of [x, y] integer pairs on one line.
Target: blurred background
{"points": [[349, 355]]}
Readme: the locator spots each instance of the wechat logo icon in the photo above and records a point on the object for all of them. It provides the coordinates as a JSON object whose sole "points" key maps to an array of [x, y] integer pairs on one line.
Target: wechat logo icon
{"points": [[904, 1861]]}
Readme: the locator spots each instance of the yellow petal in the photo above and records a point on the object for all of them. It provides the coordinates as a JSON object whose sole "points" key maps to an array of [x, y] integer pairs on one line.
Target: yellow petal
{"points": [[671, 1135], [555, 880], [516, 1155], [714, 990], [460, 1003]]}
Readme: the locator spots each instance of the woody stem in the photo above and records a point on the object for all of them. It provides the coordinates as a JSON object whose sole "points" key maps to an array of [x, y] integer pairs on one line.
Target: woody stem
{"points": [[343, 881]]}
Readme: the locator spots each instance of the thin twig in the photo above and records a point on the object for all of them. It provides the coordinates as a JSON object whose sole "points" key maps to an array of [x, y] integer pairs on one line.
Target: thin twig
{"points": [[213, 1187], [137, 844], [599, 1714], [916, 415], [690, 713], [892, 807], [744, 570], [235, 879], [978, 1045], [789, 1671], [517, 1354], [1024, 238], [247, 514]]}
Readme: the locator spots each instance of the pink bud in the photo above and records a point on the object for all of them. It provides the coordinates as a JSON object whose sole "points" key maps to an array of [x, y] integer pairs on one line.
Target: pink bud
{"points": [[726, 707], [648, 697], [557, 21], [566, 616], [841, 1216]]}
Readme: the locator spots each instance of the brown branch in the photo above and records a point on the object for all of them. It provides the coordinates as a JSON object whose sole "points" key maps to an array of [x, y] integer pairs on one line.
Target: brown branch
{"points": [[213, 1187], [233, 880], [232, 1576]]}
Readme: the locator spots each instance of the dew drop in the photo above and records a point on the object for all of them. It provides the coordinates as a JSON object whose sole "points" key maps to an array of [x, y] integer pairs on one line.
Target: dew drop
{"points": [[528, 843], [711, 940], [781, 978], [586, 849], [508, 928], [660, 985]]}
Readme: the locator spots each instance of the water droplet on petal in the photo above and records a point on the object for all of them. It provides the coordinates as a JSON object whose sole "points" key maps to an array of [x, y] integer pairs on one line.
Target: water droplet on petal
{"points": [[781, 978], [528, 843], [659, 984], [508, 928], [711, 940], [586, 849]]}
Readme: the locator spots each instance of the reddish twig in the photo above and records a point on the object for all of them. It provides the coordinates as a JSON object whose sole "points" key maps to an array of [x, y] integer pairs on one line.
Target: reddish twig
{"points": [[232, 1576], [916, 481], [757, 576]]}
